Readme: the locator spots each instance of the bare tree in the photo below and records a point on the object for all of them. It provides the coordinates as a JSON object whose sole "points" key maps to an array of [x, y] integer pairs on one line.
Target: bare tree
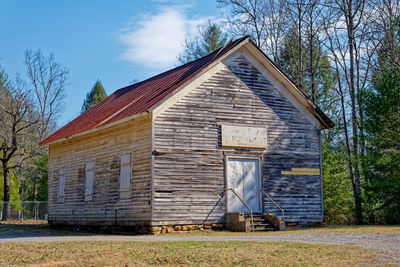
{"points": [[297, 11], [48, 79], [306, 20], [275, 13], [348, 32], [385, 24], [18, 132], [314, 24], [264, 20]]}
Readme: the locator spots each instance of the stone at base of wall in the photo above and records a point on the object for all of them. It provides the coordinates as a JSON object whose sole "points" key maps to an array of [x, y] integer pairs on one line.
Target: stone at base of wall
{"points": [[206, 227]]}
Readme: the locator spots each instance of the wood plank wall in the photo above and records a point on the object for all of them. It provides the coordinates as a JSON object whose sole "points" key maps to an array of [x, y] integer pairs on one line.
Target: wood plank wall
{"points": [[188, 178], [104, 148]]}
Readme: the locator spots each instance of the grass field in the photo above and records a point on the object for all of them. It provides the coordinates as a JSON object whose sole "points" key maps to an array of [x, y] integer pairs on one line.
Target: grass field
{"points": [[183, 253], [194, 253], [364, 229]]}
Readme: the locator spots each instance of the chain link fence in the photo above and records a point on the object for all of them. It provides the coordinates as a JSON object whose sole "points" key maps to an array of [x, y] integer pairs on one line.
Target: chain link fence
{"points": [[26, 210]]}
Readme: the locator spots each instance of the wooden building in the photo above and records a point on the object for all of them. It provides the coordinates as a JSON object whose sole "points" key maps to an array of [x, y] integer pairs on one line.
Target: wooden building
{"points": [[163, 151]]}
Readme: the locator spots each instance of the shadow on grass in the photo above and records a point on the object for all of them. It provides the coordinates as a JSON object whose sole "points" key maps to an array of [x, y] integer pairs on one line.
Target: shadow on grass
{"points": [[42, 228], [30, 228]]}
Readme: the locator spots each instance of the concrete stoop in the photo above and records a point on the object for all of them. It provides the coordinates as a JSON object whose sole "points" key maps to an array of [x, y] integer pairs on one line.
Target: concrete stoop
{"points": [[241, 222]]}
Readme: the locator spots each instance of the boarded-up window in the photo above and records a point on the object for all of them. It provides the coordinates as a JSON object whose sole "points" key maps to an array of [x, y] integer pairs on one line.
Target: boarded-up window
{"points": [[125, 176], [61, 185], [89, 180]]}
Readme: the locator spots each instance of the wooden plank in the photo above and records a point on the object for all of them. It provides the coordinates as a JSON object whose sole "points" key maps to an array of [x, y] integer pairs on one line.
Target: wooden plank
{"points": [[302, 171], [188, 160], [105, 149]]}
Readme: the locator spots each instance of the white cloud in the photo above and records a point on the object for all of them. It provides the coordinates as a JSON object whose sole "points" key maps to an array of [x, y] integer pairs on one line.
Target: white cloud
{"points": [[154, 40]]}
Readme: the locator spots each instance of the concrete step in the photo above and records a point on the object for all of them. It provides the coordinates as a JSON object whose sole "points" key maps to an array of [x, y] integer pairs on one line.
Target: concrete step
{"points": [[242, 222], [260, 223], [255, 218], [262, 229], [264, 224]]}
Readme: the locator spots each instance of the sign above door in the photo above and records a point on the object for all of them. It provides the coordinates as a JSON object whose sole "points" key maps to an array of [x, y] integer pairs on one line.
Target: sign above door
{"points": [[243, 136]]}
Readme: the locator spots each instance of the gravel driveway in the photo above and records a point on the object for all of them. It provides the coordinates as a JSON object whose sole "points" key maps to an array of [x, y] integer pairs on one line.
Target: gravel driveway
{"points": [[387, 243]]}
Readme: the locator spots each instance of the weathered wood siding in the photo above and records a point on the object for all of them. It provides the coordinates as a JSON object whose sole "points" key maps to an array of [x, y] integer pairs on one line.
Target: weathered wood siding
{"points": [[189, 177], [105, 148]]}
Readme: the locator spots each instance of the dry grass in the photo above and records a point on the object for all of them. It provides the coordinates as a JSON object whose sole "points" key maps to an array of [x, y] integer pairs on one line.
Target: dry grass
{"points": [[95, 253], [183, 253], [353, 229], [365, 229]]}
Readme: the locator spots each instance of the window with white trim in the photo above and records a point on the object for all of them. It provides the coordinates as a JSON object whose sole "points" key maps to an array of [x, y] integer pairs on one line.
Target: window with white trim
{"points": [[61, 185], [125, 176], [89, 180]]}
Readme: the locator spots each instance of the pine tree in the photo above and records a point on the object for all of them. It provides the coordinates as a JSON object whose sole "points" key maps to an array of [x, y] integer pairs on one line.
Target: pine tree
{"points": [[382, 125], [381, 164], [317, 82], [210, 38], [95, 95]]}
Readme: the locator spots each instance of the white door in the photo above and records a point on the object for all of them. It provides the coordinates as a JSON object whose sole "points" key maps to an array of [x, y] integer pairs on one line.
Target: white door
{"points": [[243, 177]]}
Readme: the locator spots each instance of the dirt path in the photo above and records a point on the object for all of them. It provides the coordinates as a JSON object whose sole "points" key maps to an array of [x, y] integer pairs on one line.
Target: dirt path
{"points": [[387, 243]]}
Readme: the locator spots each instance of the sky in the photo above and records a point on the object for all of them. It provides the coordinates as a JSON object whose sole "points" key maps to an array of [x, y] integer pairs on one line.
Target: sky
{"points": [[118, 42]]}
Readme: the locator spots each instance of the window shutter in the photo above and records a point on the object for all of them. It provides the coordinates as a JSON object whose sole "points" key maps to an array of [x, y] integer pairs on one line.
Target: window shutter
{"points": [[61, 185], [125, 176], [89, 180]]}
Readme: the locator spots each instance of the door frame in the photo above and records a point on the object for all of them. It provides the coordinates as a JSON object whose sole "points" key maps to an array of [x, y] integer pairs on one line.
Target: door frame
{"points": [[260, 176]]}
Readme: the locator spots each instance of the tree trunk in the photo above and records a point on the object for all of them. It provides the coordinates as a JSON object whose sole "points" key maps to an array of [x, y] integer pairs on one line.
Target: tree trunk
{"points": [[363, 143], [311, 47], [346, 135], [300, 44], [6, 205], [354, 117]]}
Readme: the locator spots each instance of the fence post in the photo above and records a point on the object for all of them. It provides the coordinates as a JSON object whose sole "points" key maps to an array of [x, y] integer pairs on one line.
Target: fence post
{"points": [[21, 210], [38, 209]]}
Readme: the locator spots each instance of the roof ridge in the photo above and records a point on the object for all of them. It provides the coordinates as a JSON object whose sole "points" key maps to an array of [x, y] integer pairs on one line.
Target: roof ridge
{"points": [[170, 70], [216, 52]]}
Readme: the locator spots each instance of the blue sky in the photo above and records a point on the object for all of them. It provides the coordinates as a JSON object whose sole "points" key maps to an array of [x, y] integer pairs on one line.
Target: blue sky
{"points": [[114, 41]]}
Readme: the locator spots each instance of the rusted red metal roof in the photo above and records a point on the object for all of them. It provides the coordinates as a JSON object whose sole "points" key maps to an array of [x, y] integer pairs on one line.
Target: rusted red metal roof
{"points": [[138, 97]]}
